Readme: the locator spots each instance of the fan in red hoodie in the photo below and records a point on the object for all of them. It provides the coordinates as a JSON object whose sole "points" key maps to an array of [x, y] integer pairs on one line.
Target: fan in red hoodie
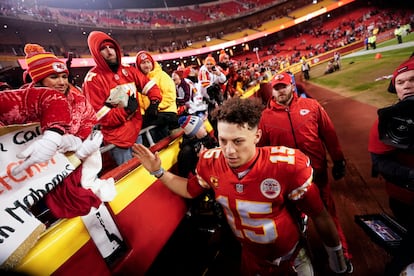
{"points": [[112, 88]]}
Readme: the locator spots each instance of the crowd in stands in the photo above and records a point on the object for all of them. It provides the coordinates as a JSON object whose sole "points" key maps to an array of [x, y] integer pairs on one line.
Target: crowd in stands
{"points": [[187, 17], [146, 18], [123, 99], [324, 35], [304, 42]]}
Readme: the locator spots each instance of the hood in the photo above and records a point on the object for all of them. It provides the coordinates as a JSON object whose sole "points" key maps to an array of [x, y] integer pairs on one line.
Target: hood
{"points": [[155, 71], [95, 39]]}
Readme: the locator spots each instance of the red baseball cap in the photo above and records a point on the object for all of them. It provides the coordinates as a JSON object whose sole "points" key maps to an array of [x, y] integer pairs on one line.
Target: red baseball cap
{"points": [[284, 78]]}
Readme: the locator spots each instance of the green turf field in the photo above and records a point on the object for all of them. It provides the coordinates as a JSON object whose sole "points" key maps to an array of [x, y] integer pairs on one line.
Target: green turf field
{"points": [[365, 77]]}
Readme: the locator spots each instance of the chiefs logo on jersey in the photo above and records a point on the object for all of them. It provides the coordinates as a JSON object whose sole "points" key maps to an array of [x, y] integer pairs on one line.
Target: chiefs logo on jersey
{"points": [[270, 188]]}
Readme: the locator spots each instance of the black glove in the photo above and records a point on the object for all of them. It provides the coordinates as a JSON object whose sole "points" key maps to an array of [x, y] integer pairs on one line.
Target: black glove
{"points": [[132, 105], [151, 113], [338, 169]]}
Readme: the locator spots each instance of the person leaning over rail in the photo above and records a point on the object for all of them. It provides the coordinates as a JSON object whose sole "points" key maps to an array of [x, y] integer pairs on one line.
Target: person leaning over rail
{"points": [[253, 185], [43, 105], [112, 87], [81, 189]]}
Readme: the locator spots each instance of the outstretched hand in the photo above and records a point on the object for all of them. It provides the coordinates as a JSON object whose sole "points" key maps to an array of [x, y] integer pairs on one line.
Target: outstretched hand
{"points": [[149, 160]]}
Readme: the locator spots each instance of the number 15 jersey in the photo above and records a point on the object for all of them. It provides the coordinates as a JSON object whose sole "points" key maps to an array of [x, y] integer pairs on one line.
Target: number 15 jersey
{"points": [[255, 200]]}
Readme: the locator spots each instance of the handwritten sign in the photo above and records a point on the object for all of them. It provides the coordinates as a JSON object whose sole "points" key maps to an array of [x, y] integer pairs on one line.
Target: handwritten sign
{"points": [[19, 192]]}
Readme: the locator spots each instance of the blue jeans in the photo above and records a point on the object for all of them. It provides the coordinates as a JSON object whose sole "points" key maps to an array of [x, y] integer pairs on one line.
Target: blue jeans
{"points": [[122, 155]]}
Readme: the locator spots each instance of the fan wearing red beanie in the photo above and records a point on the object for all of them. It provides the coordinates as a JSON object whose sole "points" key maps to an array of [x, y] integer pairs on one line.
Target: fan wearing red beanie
{"points": [[167, 120], [47, 106], [46, 70], [81, 189], [112, 88]]}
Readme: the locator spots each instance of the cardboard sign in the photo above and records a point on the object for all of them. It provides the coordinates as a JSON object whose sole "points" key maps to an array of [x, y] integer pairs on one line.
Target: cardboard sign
{"points": [[19, 192]]}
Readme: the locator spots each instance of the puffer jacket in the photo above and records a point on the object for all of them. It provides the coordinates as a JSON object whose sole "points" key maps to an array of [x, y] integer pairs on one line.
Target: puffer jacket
{"points": [[304, 125]]}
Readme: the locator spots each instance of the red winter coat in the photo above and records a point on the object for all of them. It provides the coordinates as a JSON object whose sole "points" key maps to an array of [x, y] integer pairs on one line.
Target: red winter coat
{"points": [[304, 125], [118, 127], [70, 199], [83, 114], [29, 105]]}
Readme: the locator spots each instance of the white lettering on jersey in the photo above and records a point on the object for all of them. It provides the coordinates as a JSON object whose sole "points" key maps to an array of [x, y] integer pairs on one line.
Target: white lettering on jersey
{"points": [[254, 222]]}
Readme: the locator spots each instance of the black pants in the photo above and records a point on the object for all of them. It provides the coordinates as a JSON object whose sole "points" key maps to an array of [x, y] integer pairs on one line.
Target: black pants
{"points": [[306, 74], [165, 122]]}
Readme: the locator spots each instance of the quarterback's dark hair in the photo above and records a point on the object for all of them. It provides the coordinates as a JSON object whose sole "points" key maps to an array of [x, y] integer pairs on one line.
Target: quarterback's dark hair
{"points": [[239, 111]]}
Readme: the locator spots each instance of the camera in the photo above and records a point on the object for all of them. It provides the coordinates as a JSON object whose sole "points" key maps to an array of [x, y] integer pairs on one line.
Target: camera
{"points": [[396, 124], [213, 68]]}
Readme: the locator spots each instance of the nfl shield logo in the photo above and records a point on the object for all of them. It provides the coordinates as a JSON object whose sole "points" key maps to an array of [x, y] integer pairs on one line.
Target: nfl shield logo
{"points": [[239, 188]]}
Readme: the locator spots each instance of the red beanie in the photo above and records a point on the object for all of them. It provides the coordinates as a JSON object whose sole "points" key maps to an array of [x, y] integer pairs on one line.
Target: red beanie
{"points": [[143, 55], [41, 64], [179, 73], [407, 65]]}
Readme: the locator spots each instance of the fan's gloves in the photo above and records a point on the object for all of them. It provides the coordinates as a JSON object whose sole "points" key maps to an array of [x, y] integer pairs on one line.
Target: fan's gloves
{"points": [[90, 145], [152, 111], [69, 143], [336, 258], [39, 151], [132, 105], [338, 169]]}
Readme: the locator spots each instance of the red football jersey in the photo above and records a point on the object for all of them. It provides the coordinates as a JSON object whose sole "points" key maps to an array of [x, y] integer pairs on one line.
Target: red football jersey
{"points": [[255, 199]]}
